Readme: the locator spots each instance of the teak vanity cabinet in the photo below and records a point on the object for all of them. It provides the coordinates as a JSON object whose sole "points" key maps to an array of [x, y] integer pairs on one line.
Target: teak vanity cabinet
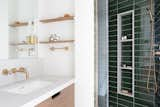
{"points": [[65, 98]]}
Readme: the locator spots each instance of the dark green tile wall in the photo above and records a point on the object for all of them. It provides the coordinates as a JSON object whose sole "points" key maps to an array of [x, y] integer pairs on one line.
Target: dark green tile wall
{"points": [[142, 97], [157, 41]]}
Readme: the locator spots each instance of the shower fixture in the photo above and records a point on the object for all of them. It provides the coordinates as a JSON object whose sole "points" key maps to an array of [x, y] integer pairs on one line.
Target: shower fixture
{"points": [[150, 14], [152, 51]]}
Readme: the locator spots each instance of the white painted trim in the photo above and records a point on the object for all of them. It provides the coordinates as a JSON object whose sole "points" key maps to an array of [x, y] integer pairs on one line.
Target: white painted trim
{"points": [[119, 42], [133, 54], [118, 53]]}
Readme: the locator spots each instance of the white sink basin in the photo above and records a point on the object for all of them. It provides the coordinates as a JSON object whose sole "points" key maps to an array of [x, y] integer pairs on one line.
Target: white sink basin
{"points": [[27, 87]]}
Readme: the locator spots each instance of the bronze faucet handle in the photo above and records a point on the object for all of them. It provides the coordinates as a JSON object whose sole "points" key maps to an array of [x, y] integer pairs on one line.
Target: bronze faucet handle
{"points": [[22, 69], [13, 70], [5, 71]]}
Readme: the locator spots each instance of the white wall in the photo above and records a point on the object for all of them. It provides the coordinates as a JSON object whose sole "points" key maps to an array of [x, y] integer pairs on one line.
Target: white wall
{"points": [[84, 53], [59, 62], [4, 29], [23, 11], [34, 67]]}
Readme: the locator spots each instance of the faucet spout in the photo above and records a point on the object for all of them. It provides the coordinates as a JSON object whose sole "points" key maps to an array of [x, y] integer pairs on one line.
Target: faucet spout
{"points": [[15, 70], [23, 70]]}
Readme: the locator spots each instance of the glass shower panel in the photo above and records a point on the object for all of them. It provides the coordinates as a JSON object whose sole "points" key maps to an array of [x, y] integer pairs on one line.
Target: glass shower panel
{"points": [[102, 54]]}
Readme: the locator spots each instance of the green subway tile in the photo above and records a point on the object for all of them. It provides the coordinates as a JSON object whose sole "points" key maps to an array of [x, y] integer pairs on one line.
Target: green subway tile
{"points": [[113, 28], [113, 74], [138, 105], [111, 68], [112, 104], [112, 88], [130, 99], [112, 53], [144, 103], [113, 79], [113, 58], [142, 84], [146, 97], [112, 99], [137, 30], [112, 12], [112, 48], [112, 1], [125, 103], [112, 23], [125, 8], [141, 3], [112, 63], [112, 7], [112, 33], [113, 94], [126, 21], [113, 43], [113, 38], [113, 84]]}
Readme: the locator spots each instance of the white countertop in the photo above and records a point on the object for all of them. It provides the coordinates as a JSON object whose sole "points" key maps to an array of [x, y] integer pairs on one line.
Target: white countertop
{"points": [[35, 97]]}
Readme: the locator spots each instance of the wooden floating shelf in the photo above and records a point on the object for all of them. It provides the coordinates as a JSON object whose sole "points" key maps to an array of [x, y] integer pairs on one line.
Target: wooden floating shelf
{"points": [[157, 53], [59, 41], [17, 44], [44, 42], [19, 24], [57, 19], [126, 94], [127, 68], [127, 40]]}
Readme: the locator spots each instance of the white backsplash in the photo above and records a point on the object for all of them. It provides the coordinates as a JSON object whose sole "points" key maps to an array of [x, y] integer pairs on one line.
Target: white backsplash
{"points": [[59, 62], [33, 66]]}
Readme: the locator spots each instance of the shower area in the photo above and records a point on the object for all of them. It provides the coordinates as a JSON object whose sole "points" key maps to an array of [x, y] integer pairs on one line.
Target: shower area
{"points": [[134, 53], [128, 53]]}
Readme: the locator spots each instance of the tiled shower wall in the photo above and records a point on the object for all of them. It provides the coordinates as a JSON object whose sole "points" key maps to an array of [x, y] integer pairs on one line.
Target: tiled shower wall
{"points": [[157, 41], [142, 96]]}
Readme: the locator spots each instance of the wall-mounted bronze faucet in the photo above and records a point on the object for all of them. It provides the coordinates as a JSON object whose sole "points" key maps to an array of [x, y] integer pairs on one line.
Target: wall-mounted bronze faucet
{"points": [[5, 71], [15, 70]]}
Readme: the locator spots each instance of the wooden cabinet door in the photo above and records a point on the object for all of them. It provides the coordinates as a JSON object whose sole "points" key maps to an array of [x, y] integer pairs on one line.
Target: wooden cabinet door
{"points": [[47, 103], [65, 98]]}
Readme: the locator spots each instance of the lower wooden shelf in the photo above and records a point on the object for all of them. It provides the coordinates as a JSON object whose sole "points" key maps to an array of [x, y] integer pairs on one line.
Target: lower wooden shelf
{"points": [[17, 44], [59, 41], [44, 42]]}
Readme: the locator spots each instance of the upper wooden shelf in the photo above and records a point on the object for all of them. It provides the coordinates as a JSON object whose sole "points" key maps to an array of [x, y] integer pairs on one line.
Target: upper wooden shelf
{"points": [[57, 19], [64, 18], [59, 41], [18, 24]]}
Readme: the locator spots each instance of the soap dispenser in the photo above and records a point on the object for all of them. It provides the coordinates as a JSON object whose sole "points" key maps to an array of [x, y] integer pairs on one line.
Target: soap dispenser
{"points": [[32, 38]]}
